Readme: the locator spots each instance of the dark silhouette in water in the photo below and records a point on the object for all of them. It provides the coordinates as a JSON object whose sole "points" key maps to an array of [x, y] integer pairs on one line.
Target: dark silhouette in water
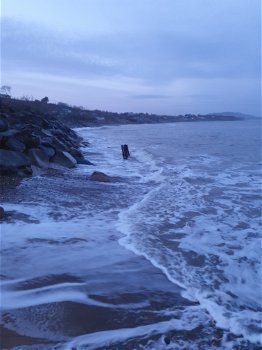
{"points": [[125, 151]]}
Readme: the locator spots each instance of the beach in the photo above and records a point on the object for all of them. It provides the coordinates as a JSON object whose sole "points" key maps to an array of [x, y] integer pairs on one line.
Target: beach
{"points": [[52, 294], [95, 265]]}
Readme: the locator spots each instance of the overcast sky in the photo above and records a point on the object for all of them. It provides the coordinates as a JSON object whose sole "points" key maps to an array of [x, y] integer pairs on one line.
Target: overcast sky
{"points": [[155, 56]]}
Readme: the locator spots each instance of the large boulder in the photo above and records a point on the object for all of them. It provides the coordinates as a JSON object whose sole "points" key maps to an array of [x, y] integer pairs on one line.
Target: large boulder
{"points": [[47, 132], [3, 124], [49, 151], [9, 133], [76, 153], [30, 141], [81, 160], [65, 159], [38, 157], [13, 144], [100, 177], [54, 142], [12, 159]]}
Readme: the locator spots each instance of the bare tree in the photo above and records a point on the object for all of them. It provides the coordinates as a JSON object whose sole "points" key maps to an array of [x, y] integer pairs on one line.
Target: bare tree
{"points": [[27, 98]]}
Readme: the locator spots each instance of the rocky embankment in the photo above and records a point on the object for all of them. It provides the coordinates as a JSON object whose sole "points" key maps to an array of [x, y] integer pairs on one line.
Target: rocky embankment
{"points": [[31, 143]]}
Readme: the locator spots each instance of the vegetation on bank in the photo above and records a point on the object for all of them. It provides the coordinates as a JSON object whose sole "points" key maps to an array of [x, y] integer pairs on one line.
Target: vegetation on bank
{"points": [[74, 116]]}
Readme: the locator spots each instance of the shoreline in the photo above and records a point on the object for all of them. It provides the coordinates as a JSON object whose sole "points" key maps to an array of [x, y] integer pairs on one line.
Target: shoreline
{"points": [[107, 289], [139, 292]]}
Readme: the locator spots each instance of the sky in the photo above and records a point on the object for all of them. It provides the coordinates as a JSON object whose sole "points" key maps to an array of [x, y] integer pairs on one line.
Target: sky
{"points": [[156, 56]]}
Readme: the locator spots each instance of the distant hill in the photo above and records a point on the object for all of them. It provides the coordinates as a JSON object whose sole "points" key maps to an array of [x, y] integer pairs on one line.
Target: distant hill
{"points": [[236, 114]]}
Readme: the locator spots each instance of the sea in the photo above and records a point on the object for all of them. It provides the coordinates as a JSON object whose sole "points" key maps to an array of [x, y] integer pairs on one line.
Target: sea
{"points": [[165, 256]]}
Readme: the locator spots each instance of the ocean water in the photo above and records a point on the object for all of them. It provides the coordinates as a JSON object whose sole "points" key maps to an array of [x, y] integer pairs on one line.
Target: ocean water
{"points": [[166, 257], [200, 221]]}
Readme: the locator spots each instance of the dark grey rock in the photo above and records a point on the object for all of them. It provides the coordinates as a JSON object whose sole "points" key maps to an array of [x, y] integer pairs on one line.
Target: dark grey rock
{"points": [[36, 140], [10, 132], [35, 170], [81, 160], [9, 171], [12, 159], [3, 124], [31, 141], [14, 145], [27, 171], [38, 157], [47, 132], [75, 152], [55, 143], [65, 159], [2, 141], [49, 151], [100, 177]]}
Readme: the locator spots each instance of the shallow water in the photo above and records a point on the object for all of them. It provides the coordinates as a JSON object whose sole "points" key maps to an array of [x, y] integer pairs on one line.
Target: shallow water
{"points": [[187, 203], [201, 222]]}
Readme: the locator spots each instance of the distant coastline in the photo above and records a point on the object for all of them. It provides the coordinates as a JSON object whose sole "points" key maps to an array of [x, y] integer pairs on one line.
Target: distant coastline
{"points": [[75, 116], [36, 136]]}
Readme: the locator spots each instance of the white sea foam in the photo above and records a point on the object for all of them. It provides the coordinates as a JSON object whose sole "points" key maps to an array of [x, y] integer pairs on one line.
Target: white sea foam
{"points": [[73, 292], [213, 214], [140, 165], [229, 283], [201, 205]]}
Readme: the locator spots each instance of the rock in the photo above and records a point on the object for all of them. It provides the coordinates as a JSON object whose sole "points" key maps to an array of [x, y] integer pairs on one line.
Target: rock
{"points": [[59, 134], [45, 122], [31, 141], [9, 171], [82, 160], [75, 152], [3, 124], [27, 171], [100, 177], [10, 132], [47, 132], [79, 157], [2, 141], [49, 151], [54, 142], [65, 159], [35, 170], [14, 145], [12, 159], [2, 213], [38, 157]]}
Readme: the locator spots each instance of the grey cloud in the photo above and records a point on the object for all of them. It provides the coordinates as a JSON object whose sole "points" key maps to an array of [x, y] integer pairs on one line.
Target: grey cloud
{"points": [[148, 96], [25, 46], [157, 57], [200, 96]]}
